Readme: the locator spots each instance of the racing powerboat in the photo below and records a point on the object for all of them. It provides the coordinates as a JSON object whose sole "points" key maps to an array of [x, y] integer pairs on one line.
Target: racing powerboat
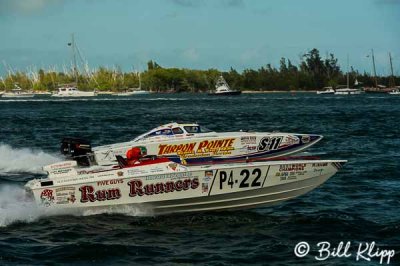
{"points": [[191, 144], [158, 186]]}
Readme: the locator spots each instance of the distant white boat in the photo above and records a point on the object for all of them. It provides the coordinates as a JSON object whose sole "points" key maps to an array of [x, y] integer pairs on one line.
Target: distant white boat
{"points": [[395, 92], [70, 91], [133, 91], [348, 91], [17, 93], [222, 88], [327, 90]]}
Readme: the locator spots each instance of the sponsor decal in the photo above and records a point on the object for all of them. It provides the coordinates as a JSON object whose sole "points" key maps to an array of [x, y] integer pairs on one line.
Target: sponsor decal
{"points": [[204, 188], [61, 171], [292, 167], [137, 171], [136, 187], [291, 171], [89, 194], [156, 169], [110, 182], [208, 175], [63, 165], [47, 197], [319, 170], [206, 146], [305, 139], [248, 140], [65, 195], [171, 176], [269, 143], [288, 175], [108, 174], [291, 140], [173, 166]]}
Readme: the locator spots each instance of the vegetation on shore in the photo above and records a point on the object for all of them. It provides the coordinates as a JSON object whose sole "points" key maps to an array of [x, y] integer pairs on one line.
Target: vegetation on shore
{"points": [[312, 73]]}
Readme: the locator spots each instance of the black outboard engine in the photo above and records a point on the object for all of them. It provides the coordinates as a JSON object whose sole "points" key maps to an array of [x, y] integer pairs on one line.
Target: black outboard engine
{"points": [[78, 149]]}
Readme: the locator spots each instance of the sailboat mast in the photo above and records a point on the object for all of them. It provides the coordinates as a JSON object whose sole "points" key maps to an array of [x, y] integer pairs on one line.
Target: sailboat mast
{"points": [[348, 86], [373, 64], [74, 58], [140, 81], [392, 83]]}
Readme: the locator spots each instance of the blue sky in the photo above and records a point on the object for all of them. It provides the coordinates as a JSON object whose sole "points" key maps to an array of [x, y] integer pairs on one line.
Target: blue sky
{"points": [[198, 34]]}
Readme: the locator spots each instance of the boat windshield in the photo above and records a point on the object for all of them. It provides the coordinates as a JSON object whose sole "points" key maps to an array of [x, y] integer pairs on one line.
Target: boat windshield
{"points": [[196, 129], [177, 130], [162, 132]]}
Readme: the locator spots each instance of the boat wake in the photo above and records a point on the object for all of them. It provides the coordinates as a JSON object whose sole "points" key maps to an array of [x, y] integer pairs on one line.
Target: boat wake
{"points": [[127, 210], [25, 160], [15, 207]]}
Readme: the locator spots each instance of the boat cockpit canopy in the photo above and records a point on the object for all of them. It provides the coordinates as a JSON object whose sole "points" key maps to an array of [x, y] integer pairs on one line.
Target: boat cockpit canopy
{"points": [[174, 129]]}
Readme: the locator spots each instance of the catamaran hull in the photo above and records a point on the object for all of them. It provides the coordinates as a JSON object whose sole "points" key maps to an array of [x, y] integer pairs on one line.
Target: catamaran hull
{"points": [[198, 188], [221, 147]]}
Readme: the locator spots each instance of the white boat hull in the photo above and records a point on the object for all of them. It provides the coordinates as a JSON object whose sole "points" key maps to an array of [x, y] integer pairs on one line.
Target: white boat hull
{"points": [[348, 91], [172, 188], [130, 93], [12, 95], [324, 92], [79, 94]]}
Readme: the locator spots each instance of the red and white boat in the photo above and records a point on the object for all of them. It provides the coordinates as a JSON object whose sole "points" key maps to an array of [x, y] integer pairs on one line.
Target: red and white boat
{"points": [[156, 186]]}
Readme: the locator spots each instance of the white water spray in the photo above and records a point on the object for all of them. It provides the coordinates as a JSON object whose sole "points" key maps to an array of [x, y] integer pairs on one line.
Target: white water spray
{"points": [[24, 160], [15, 207]]}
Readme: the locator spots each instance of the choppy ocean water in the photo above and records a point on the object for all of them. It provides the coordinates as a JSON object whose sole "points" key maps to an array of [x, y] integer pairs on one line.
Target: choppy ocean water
{"points": [[359, 204]]}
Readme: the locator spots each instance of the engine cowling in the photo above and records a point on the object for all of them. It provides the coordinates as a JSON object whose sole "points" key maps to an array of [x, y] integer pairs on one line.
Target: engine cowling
{"points": [[78, 149]]}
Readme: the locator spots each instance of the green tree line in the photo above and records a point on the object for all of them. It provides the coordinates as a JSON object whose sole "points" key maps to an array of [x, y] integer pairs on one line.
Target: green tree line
{"points": [[312, 73]]}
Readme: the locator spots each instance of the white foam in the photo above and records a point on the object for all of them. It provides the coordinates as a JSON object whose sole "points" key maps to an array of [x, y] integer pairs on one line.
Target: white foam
{"points": [[24, 160], [15, 207], [128, 210]]}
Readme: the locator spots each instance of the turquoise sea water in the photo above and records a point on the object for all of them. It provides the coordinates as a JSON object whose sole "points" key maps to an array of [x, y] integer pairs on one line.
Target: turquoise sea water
{"points": [[359, 204]]}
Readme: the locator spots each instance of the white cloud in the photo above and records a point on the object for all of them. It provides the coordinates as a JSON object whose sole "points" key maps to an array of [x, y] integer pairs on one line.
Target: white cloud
{"points": [[24, 6], [191, 54]]}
